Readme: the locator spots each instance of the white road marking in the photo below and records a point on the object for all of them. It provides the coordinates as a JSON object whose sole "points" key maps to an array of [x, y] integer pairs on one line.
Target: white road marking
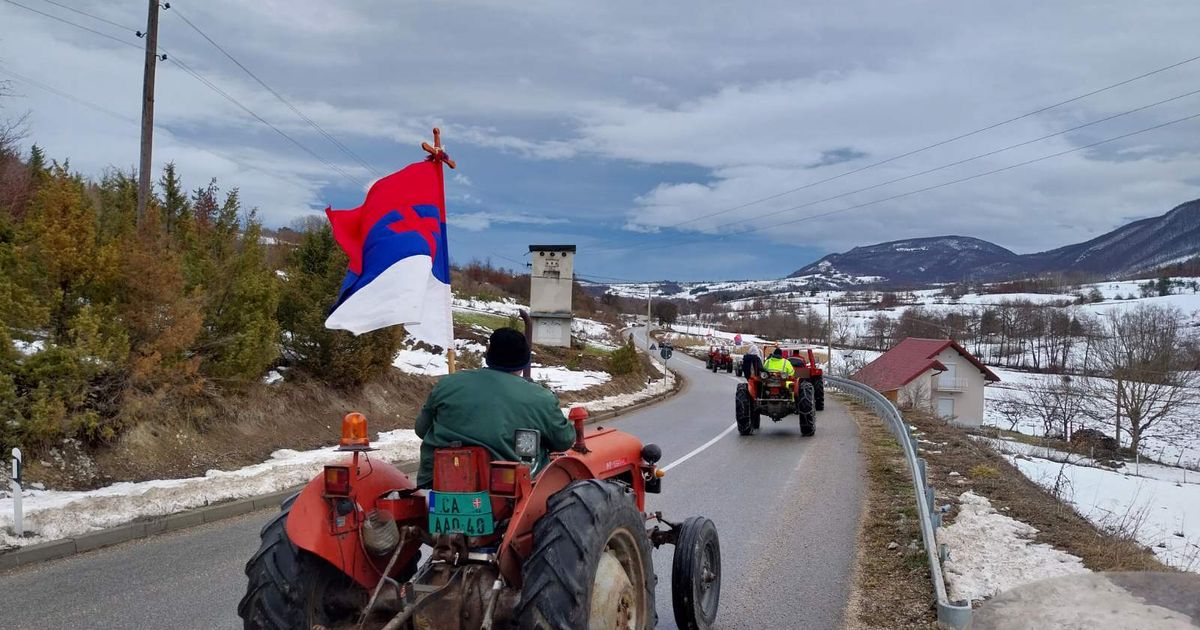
{"points": [[698, 450]]}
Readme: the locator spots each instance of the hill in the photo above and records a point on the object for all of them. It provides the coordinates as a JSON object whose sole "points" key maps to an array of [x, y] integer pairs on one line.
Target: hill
{"points": [[1137, 247]]}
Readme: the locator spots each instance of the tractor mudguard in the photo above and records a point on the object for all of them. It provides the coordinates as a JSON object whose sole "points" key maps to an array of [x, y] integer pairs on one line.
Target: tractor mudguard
{"points": [[313, 525], [610, 453]]}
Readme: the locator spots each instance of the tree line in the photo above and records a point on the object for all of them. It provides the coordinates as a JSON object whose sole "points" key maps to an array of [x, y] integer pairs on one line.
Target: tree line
{"points": [[107, 320]]}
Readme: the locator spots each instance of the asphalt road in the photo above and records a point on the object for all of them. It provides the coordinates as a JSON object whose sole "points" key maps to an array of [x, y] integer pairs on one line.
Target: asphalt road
{"points": [[786, 508]]}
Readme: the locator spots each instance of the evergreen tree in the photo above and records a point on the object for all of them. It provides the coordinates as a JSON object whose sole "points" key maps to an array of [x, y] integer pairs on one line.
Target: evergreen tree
{"points": [[174, 206], [313, 277]]}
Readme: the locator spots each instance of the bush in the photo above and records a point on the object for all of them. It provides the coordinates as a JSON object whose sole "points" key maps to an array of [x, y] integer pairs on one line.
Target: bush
{"points": [[983, 471], [624, 360]]}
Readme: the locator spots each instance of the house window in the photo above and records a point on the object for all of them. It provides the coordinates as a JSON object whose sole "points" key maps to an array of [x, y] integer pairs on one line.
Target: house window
{"points": [[945, 407]]}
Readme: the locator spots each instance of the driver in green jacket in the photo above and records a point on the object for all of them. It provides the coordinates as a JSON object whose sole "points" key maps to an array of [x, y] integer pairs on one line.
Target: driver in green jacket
{"points": [[485, 407]]}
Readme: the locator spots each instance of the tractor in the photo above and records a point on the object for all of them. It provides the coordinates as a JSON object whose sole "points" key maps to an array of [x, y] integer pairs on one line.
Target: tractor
{"points": [[490, 545], [806, 368], [719, 359], [775, 395]]}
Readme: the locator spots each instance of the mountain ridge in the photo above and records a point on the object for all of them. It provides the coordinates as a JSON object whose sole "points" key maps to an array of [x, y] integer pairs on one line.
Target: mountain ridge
{"points": [[1138, 246]]}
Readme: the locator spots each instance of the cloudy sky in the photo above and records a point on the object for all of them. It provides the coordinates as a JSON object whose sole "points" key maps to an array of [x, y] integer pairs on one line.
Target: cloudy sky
{"points": [[662, 138]]}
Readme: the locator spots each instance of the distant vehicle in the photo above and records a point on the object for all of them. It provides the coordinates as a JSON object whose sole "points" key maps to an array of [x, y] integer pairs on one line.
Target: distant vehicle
{"points": [[719, 359]]}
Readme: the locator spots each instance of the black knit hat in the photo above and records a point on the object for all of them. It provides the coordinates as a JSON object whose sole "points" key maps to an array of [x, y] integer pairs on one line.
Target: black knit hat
{"points": [[508, 351], [777, 353]]}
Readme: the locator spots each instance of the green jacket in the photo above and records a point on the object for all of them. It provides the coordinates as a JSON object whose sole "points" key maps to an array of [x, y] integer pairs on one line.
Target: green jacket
{"points": [[484, 408]]}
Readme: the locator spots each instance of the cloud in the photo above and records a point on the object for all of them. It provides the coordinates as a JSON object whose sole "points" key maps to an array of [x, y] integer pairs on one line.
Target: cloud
{"points": [[677, 110], [479, 221]]}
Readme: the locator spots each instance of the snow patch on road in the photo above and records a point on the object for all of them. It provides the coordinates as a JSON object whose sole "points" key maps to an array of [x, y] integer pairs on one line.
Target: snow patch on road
{"points": [[991, 553], [53, 514]]}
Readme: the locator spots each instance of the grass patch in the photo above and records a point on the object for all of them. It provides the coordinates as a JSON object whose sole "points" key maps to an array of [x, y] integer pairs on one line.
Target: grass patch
{"points": [[892, 587], [491, 322]]}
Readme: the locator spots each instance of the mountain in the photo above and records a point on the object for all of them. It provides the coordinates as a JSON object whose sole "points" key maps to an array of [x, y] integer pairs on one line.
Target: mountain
{"points": [[914, 260], [1140, 246]]}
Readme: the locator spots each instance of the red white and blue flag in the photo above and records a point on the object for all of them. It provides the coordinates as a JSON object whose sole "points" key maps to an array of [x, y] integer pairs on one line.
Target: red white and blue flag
{"points": [[399, 270]]}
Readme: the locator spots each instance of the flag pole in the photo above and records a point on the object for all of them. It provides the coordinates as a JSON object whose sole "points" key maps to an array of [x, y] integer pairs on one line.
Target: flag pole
{"points": [[439, 156]]}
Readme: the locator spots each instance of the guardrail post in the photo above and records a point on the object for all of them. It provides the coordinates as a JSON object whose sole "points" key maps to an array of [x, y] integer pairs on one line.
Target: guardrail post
{"points": [[18, 515]]}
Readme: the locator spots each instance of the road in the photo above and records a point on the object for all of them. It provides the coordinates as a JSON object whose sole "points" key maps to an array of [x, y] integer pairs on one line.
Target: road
{"points": [[786, 508]]}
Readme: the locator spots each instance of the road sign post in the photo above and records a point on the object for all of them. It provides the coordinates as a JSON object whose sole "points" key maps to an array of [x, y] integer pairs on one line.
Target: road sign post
{"points": [[18, 522]]}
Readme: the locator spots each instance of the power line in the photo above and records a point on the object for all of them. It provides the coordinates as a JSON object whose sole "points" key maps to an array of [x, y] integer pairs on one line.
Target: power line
{"points": [[965, 160], [935, 145], [921, 190], [91, 15], [199, 77], [108, 112], [276, 94], [78, 26]]}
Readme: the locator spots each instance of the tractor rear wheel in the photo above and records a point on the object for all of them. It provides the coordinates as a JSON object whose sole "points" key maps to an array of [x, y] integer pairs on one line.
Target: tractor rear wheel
{"points": [[743, 409], [696, 574], [292, 588], [591, 565], [818, 393], [729, 367], [804, 409]]}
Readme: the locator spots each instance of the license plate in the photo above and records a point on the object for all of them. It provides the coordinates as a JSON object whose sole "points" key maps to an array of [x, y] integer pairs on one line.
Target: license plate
{"points": [[467, 513]]}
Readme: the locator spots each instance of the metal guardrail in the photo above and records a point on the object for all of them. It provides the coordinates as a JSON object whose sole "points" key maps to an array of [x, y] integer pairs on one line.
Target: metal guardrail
{"points": [[951, 614]]}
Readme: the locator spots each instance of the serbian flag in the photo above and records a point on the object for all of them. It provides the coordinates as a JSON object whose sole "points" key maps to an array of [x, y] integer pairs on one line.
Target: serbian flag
{"points": [[399, 270]]}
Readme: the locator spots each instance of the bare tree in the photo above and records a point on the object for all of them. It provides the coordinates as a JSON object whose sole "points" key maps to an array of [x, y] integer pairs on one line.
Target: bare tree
{"points": [[1060, 403], [1142, 353]]}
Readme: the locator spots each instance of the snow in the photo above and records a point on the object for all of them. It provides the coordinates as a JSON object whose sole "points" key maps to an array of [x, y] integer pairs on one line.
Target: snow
{"points": [[561, 379], [53, 514], [654, 387], [272, 377], [423, 362], [28, 348], [494, 307], [1161, 513], [990, 553], [598, 334], [713, 333]]}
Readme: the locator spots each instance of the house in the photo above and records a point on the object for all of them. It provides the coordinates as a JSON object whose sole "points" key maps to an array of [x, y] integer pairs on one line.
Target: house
{"points": [[935, 374]]}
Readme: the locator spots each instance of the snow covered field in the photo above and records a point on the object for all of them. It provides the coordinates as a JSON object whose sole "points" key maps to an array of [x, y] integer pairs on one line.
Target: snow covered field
{"points": [[1154, 506], [52, 514], [561, 379]]}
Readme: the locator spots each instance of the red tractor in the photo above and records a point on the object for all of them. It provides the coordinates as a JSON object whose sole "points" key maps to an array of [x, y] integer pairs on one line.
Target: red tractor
{"points": [[777, 395], [806, 368], [719, 359], [569, 548]]}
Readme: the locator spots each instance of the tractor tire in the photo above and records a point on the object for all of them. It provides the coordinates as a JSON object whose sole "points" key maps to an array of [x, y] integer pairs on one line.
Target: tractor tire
{"points": [[708, 363], [743, 410], [590, 528], [738, 371], [804, 409], [729, 368], [292, 588], [696, 575], [818, 383]]}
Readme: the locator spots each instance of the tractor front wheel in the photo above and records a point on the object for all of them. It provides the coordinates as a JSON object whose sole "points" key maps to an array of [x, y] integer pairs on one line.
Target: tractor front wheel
{"points": [[696, 575], [292, 588], [743, 409], [591, 565]]}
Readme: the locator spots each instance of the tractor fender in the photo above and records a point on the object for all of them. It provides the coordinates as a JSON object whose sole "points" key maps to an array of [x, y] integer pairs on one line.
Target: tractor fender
{"points": [[314, 526], [518, 539]]}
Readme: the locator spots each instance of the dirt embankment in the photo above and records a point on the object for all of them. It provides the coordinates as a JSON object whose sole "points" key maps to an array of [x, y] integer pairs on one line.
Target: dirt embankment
{"points": [[189, 437]]}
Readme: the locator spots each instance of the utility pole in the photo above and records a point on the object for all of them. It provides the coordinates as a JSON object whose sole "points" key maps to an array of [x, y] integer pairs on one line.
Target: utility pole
{"points": [[151, 36], [829, 335], [647, 318]]}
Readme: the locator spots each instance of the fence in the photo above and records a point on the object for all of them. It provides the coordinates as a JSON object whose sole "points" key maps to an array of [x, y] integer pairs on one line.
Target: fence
{"points": [[952, 614]]}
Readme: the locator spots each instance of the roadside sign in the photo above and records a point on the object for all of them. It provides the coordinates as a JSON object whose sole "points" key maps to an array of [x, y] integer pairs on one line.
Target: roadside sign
{"points": [[665, 353]]}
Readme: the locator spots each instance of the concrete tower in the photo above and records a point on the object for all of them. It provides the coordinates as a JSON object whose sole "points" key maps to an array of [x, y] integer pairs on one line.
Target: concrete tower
{"points": [[551, 278]]}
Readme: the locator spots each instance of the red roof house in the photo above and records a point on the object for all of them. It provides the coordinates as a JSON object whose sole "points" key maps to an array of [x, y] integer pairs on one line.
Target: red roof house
{"points": [[935, 373]]}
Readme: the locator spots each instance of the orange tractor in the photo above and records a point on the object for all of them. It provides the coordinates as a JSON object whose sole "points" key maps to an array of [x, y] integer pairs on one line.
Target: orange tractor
{"points": [[777, 395], [490, 545]]}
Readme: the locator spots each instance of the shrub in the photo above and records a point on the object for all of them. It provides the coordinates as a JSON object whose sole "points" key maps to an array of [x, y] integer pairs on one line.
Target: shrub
{"points": [[624, 360]]}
